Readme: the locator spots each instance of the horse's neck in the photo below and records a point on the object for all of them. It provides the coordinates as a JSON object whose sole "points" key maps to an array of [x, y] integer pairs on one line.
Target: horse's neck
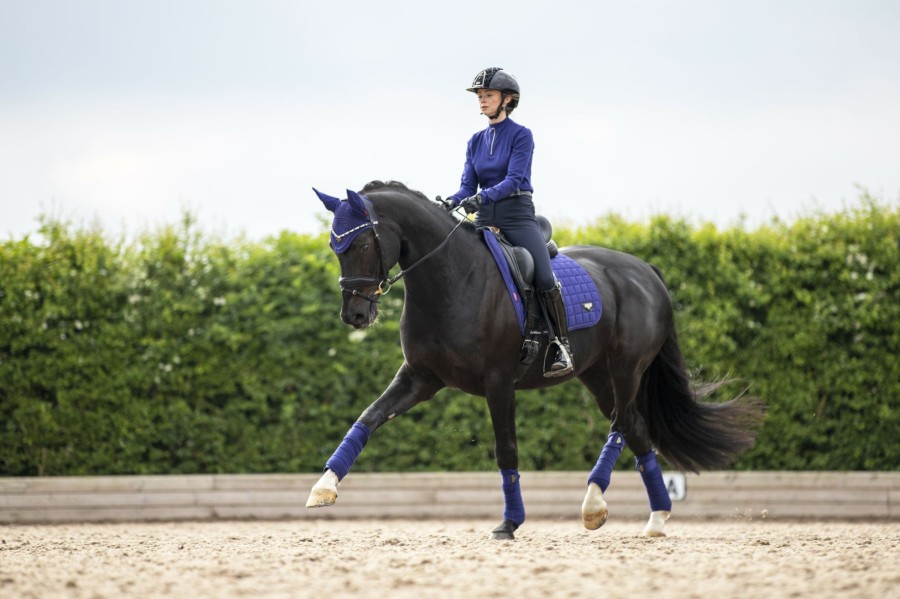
{"points": [[435, 271], [420, 231]]}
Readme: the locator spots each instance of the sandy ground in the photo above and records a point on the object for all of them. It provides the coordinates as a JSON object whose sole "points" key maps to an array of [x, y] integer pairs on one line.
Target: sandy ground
{"points": [[454, 558]]}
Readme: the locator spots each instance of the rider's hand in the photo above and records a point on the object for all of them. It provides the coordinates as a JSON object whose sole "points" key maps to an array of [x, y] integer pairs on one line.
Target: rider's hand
{"points": [[472, 203], [449, 205]]}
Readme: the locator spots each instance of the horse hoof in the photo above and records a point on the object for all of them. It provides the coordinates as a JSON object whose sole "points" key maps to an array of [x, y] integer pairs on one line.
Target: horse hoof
{"points": [[593, 509], [324, 492], [321, 498], [655, 525], [505, 531], [595, 520]]}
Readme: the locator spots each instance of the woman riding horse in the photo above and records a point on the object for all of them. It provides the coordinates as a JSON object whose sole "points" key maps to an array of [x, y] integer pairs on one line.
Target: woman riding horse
{"points": [[498, 160], [458, 329]]}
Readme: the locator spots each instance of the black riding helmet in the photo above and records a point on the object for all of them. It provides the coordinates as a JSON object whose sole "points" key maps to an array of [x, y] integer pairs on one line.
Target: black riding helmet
{"points": [[497, 78]]}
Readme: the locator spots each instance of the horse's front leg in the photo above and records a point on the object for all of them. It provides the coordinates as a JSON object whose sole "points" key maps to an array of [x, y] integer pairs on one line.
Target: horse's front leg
{"points": [[405, 391], [501, 399]]}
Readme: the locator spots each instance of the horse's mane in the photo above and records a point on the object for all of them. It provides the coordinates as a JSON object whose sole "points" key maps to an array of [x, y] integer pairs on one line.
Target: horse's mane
{"points": [[392, 185], [398, 186]]}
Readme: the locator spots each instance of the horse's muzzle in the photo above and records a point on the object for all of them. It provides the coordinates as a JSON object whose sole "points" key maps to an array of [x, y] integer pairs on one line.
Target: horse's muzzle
{"points": [[358, 311], [360, 307]]}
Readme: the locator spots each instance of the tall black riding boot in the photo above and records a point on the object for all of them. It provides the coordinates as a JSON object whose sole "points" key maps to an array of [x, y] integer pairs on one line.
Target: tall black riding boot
{"points": [[561, 363]]}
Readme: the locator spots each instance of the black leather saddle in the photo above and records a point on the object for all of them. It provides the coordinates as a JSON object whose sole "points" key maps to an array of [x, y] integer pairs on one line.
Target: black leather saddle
{"points": [[521, 263]]}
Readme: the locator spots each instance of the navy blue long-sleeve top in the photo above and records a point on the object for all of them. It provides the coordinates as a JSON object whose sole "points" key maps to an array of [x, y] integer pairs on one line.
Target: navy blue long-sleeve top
{"points": [[498, 160]]}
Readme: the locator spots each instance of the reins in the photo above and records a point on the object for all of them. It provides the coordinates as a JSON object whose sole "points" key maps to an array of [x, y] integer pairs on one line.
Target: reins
{"points": [[351, 284]]}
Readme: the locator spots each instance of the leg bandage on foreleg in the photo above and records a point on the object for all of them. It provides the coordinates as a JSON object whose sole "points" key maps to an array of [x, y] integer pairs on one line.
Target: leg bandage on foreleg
{"points": [[603, 468], [652, 476], [349, 449], [514, 508]]}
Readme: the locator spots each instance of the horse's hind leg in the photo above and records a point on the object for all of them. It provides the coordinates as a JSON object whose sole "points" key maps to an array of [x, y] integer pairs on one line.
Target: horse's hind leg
{"points": [[616, 397], [594, 510], [660, 502], [629, 420]]}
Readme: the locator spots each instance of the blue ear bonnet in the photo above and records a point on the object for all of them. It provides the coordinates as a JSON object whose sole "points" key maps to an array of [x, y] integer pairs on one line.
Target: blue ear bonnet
{"points": [[351, 217], [346, 227]]}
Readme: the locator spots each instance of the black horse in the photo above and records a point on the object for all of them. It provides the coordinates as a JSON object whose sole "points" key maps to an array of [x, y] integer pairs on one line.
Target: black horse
{"points": [[458, 329]]}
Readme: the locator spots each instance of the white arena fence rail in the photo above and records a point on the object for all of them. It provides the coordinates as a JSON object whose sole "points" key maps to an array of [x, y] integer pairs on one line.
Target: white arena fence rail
{"points": [[547, 495]]}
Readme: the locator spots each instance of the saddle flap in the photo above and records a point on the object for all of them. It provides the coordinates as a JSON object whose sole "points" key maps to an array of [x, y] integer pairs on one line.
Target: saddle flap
{"points": [[519, 262], [524, 261]]}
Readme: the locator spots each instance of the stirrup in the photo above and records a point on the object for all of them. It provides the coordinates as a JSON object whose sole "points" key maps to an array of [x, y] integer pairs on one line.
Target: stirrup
{"points": [[566, 359]]}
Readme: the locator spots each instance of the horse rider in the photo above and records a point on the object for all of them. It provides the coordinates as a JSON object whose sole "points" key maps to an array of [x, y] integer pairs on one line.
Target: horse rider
{"points": [[498, 161]]}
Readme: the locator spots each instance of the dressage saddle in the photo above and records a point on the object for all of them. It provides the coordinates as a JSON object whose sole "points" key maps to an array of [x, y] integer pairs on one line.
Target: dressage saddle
{"points": [[519, 259]]}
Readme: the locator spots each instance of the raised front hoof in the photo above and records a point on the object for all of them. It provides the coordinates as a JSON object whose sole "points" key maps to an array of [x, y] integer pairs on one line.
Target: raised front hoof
{"points": [[321, 498], [656, 524], [505, 531]]}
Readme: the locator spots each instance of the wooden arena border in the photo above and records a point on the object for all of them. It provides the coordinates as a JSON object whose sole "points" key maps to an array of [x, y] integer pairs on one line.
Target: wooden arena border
{"points": [[556, 495]]}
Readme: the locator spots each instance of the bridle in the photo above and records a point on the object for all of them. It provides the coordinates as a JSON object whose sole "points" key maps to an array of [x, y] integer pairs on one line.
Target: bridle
{"points": [[354, 285]]}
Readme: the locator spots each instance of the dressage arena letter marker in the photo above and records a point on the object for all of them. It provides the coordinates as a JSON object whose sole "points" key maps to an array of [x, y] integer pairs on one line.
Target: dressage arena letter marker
{"points": [[675, 485]]}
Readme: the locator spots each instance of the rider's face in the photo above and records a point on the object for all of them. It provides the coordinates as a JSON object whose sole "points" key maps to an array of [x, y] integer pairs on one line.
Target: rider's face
{"points": [[488, 100]]}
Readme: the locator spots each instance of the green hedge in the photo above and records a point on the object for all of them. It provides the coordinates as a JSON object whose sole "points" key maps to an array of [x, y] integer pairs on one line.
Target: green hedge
{"points": [[179, 353]]}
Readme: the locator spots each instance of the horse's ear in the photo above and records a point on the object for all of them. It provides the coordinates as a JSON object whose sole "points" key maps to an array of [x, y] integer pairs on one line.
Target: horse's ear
{"points": [[330, 202], [357, 202]]}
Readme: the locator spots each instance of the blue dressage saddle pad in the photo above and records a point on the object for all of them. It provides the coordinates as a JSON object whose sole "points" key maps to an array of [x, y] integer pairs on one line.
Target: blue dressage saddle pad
{"points": [[582, 299]]}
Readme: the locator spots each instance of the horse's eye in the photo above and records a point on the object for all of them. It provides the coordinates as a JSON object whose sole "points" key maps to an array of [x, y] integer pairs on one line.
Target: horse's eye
{"points": [[364, 248]]}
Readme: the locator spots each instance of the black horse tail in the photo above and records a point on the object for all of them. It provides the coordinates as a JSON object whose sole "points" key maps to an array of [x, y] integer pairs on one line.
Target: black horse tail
{"points": [[689, 433]]}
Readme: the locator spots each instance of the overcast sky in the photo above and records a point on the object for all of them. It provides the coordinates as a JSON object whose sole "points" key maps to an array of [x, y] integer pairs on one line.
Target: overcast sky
{"points": [[127, 113]]}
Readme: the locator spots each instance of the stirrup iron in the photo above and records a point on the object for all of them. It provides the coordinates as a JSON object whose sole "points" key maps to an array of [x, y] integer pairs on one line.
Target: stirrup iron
{"points": [[561, 355]]}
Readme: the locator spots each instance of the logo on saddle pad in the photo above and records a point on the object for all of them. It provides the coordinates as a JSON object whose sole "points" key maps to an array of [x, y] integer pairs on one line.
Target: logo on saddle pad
{"points": [[588, 306]]}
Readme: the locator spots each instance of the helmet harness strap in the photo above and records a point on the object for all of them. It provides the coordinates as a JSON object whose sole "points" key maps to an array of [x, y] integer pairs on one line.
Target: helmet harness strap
{"points": [[500, 108]]}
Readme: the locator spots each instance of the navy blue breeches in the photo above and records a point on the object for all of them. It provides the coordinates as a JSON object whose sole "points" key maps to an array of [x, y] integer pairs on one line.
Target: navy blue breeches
{"points": [[515, 217]]}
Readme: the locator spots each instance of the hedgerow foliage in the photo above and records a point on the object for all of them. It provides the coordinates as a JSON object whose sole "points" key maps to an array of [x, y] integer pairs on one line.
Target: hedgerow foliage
{"points": [[179, 353]]}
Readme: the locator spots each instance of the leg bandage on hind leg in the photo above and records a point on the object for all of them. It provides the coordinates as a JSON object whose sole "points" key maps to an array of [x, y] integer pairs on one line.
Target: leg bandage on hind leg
{"points": [[652, 476], [514, 508], [603, 468], [349, 449]]}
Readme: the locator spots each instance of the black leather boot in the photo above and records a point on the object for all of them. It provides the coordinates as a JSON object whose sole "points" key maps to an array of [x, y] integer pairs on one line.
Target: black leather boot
{"points": [[561, 362]]}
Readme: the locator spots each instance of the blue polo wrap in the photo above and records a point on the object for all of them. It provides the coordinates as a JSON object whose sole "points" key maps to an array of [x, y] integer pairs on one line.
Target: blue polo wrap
{"points": [[652, 476], [514, 508], [349, 449], [602, 471]]}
